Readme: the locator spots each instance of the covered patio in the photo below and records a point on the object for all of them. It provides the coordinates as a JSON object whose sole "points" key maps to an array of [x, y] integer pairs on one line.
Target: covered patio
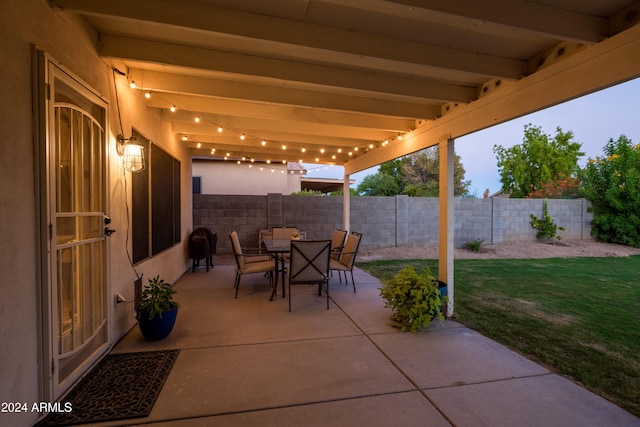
{"points": [[250, 362], [327, 82]]}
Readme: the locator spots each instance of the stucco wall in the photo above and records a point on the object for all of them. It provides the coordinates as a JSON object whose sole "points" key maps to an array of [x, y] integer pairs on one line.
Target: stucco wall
{"points": [[220, 177], [399, 221], [72, 44]]}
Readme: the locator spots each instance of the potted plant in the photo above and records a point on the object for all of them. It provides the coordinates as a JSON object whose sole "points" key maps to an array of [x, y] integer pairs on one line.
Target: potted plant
{"points": [[157, 311], [415, 298]]}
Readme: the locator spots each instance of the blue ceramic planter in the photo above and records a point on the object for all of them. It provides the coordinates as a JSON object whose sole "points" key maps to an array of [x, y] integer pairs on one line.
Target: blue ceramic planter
{"points": [[159, 327]]}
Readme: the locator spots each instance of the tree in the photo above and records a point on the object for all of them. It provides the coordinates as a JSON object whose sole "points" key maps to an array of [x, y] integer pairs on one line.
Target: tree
{"points": [[561, 188], [539, 160], [416, 175], [612, 184], [379, 184], [421, 174]]}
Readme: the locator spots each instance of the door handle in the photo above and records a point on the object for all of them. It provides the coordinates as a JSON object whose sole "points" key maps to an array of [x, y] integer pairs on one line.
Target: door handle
{"points": [[108, 231]]}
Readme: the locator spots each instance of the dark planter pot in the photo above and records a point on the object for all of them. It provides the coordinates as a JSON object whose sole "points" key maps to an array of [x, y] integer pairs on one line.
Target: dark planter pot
{"points": [[442, 287], [159, 327]]}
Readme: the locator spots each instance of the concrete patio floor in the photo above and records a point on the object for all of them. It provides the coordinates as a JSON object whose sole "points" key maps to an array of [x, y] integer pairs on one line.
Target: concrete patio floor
{"points": [[248, 362]]}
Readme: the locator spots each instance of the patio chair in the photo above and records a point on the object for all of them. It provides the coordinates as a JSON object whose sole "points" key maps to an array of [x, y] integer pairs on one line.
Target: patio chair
{"points": [[347, 258], [283, 233], [243, 266], [309, 265], [337, 242]]}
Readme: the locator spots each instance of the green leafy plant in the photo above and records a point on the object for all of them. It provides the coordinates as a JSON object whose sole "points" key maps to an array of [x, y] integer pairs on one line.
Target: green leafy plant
{"points": [[612, 184], [540, 159], [157, 298], [414, 298], [546, 226], [307, 193], [474, 245]]}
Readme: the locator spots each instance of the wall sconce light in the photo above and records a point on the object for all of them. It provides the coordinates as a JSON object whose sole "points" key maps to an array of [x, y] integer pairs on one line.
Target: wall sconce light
{"points": [[132, 153]]}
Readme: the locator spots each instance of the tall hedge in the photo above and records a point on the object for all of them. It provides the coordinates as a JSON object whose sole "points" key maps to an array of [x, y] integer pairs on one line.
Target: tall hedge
{"points": [[612, 183]]}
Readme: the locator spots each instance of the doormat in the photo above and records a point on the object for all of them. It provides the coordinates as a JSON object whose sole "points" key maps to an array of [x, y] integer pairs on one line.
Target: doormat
{"points": [[121, 386]]}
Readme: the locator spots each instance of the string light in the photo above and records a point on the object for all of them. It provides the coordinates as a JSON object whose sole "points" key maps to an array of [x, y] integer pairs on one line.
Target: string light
{"points": [[263, 142]]}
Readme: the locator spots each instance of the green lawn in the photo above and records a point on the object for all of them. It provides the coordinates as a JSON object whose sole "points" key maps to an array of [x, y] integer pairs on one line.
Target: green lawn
{"points": [[577, 316]]}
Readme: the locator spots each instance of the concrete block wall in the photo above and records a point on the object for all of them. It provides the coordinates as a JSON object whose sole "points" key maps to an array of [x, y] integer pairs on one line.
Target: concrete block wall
{"points": [[424, 220], [473, 221], [375, 218], [399, 221], [511, 218], [317, 216], [244, 214]]}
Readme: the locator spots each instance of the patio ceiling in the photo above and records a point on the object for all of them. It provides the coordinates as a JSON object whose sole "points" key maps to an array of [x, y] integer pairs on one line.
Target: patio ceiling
{"points": [[338, 78]]}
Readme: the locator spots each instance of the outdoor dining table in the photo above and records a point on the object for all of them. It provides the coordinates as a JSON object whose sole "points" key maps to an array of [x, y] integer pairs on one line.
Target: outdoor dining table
{"points": [[276, 248]]}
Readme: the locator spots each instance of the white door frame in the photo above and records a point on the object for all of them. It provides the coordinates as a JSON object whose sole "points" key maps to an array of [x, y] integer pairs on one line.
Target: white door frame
{"points": [[46, 71]]}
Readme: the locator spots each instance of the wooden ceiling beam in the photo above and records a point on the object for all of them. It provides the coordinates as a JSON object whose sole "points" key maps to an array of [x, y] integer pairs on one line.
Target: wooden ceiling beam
{"points": [[521, 15], [248, 125], [220, 110], [284, 34], [406, 106], [281, 70], [610, 62]]}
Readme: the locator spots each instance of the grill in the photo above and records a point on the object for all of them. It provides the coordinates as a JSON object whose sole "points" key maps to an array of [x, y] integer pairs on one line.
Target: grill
{"points": [[202, 246]]}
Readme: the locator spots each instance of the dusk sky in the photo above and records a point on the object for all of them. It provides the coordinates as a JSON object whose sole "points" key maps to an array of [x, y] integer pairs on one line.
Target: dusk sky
{"points": [[593, 119]]}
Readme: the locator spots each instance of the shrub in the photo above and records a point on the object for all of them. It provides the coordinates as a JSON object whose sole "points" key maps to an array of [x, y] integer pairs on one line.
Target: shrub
{"points": [[307, 193], [546, 226], [612, 184], [474, 245], [414, 298]]}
